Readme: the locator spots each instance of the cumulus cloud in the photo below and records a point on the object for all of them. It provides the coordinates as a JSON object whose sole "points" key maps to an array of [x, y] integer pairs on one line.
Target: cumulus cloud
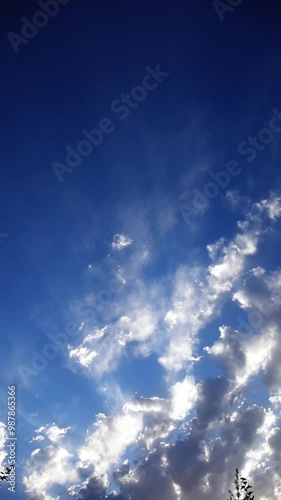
{"points": [[49, 470], [108, 440], [184, 395], [198, 295], [188, 443], [260, 297], [196, 466]]}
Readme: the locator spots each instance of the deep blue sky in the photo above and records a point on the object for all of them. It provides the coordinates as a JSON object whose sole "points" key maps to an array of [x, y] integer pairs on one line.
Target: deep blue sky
{"points": [[224, 80]]}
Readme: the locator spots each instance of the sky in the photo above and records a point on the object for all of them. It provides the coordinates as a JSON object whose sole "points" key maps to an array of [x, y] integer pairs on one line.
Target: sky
{"points": [[140, 249]]}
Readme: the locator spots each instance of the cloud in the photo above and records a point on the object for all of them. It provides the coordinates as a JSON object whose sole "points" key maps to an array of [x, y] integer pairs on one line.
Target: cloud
{"points": [[48, 469], [2, 443], [83, 355], [198, 295], [184, 395], [147, 405], [212, 400], [120, 241], [54, 433], [272, 206], [51, 431], [92, 489], [196, 300], [188, 443], [149, 480], [108, 440], [130, 321], [260, 297], [196, 466], [237, 202], [37, 438]]}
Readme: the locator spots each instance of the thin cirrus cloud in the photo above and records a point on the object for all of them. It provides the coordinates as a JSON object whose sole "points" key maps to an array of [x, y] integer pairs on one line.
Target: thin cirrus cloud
{"points": [[187, 444]]}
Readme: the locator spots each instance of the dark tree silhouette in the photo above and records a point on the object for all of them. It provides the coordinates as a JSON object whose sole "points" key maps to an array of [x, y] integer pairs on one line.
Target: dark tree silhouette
{"points": [[244, 491], [4, 475]]}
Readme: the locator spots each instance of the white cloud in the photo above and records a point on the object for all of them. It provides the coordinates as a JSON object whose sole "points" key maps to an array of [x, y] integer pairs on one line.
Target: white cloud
{"points": [[107, 442], [272, 206], [147, 405], [54, 433], [184, 396], [133, 320], [121, 241], [189, 443], [242, 356], [197, 298], [37, 439], [275, 400], [83, 355], [51, 431], [199, 295], [47, 468]]}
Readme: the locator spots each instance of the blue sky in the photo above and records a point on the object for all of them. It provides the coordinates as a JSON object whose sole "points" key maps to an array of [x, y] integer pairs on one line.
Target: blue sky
{"points": [[141, 281]]}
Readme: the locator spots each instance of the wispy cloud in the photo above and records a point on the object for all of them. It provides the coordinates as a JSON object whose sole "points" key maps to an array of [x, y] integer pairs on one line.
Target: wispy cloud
{"points": [[120, 241]]}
